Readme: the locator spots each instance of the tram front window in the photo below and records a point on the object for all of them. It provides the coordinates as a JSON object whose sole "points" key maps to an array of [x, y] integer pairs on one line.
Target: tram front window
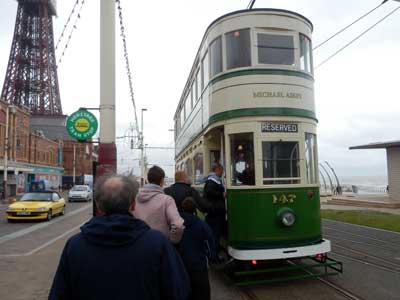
{"points": [[281, 162], [275, 49], [242, 159]]}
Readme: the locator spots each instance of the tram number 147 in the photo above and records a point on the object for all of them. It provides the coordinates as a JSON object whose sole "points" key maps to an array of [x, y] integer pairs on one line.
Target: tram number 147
{"points": [[283, 199]]}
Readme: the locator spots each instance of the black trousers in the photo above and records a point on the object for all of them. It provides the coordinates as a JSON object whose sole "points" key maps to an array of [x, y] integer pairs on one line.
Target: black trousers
{"points": [[200, 285], [218, 226]]}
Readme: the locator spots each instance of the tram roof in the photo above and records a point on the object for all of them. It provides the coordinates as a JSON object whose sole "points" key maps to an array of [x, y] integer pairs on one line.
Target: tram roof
{"points": [[277, 10], [380, 145]]}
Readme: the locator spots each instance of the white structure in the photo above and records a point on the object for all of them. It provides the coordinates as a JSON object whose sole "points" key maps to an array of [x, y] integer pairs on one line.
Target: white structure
{"points": [[393, 165]]}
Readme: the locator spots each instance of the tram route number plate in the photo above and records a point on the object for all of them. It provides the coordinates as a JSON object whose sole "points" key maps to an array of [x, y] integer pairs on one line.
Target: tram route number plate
{"points": [[279, 127]]}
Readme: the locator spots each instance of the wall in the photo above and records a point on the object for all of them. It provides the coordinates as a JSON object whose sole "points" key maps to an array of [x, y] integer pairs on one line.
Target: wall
{"points": [[393, 164]]}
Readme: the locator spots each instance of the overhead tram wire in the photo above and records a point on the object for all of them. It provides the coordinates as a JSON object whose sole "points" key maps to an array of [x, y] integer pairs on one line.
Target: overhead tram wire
{"points": [[78, 16], [128, 68], [355, 39], [351, 24], [66, 24]]}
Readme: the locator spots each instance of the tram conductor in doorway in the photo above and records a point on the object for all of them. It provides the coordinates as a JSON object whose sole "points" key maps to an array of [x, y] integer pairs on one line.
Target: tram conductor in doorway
{"points": [[117, 256]]}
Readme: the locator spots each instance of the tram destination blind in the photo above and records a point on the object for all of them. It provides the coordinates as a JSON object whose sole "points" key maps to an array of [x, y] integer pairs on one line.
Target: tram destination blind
{"points": [[279, 127]]}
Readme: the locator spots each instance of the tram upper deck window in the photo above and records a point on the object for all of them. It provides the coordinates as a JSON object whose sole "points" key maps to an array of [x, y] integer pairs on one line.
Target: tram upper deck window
{"points": [[275, 49], [205, 71], [198, 85], [182, 116], [238, 53], [188, 106], [216, 56], [311, 158], [306, 63], [280, 162], [242, 159]]}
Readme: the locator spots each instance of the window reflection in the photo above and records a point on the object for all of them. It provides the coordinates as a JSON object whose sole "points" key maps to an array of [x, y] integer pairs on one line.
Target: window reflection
{"points": [[280, 162], [275, 49], [238, 52], [242, 159]]}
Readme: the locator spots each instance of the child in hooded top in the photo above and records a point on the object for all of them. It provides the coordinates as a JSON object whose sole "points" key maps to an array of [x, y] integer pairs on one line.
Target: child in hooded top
{"points": [[197, 243]]}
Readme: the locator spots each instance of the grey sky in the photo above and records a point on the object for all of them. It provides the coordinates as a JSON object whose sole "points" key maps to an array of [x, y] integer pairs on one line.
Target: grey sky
{"points": [[356, 92]]}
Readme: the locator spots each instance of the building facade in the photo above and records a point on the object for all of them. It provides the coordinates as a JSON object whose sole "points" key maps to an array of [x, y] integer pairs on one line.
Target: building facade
{"points": [[30, 155]]}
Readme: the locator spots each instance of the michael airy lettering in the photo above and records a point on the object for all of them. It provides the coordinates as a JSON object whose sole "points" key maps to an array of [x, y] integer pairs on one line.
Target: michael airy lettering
{"points": [[269, 94]]}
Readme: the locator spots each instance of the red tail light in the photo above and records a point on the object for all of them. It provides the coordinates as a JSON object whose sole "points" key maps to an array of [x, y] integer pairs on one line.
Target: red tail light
{"points": [[253, 262]]}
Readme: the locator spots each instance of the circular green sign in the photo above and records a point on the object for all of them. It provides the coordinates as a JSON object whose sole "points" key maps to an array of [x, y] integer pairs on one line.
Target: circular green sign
{"points": [[82, 125]]}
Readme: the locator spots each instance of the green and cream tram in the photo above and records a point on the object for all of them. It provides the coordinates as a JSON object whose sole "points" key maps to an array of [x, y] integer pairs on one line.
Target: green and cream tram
{"points": [[249, 104]]}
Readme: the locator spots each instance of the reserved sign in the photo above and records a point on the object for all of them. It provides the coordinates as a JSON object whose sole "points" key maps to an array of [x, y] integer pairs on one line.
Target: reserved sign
{"points": [[278, 127]]}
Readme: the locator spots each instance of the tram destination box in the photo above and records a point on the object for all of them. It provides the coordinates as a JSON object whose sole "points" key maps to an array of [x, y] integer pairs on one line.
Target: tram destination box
{"points": [[279, 127]]}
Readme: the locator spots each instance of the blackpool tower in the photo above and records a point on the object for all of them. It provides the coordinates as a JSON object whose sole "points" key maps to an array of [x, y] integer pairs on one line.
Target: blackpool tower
{"points": [[31, 78]]}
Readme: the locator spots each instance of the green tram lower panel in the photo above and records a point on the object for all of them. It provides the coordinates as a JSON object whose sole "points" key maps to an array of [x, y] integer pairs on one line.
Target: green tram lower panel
{"points": [[254, 217]]}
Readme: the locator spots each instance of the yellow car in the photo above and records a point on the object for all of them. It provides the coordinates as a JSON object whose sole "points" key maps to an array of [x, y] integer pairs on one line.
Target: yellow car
{"points": [[36, 206]]}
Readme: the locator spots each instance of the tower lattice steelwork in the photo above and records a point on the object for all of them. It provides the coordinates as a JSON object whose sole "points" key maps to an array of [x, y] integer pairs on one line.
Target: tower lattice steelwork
{"points": [[31, 79]]}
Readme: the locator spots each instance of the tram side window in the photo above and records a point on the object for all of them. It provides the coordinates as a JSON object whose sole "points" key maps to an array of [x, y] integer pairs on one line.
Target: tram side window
{"points": [[238, 53], [187, 106], [306, 63], [216, 56], [205, 71], [242, 159], [198, 85], [215, 157], [198, 168], [281, 162], [311, 158], [275, 49], [182, 116], [189, 169]]}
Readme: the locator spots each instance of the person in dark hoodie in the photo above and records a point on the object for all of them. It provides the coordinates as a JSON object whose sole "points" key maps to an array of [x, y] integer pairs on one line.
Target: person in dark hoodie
{"points": [[117, 256], [197, 243], [214, 193], [181, 189]]}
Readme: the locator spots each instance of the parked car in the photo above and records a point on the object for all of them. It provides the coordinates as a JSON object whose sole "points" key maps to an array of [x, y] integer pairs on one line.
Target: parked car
{"points": [[80, 193], [36, 206]]}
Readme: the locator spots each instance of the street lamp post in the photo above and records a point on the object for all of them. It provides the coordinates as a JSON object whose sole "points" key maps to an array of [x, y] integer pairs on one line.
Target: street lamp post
{"points": [[142, 150]]}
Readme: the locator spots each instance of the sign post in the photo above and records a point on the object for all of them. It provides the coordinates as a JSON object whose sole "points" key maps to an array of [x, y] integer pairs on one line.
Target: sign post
{"points": [[82, 125]]}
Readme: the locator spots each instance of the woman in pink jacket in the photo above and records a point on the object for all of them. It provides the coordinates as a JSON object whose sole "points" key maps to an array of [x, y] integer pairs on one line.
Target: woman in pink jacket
{"points": [[157, 209]]}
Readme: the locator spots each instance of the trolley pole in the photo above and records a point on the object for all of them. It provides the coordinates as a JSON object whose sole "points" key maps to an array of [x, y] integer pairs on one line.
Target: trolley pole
{"points": [[107, 150]]}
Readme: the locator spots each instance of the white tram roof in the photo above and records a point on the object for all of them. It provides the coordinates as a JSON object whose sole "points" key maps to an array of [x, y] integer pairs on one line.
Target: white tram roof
{"points": [[237, 12]]}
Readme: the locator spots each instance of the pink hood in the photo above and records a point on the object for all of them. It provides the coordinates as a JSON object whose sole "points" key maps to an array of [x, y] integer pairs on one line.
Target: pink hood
{"points": [[159, 211]]}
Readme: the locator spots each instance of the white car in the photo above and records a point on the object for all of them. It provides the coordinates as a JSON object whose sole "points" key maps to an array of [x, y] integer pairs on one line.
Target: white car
{"points": [[80, 193]]}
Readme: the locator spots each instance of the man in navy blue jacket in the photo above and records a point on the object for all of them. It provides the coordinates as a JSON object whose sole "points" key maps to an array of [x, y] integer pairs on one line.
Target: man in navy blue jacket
{"points": [[117, 256]]}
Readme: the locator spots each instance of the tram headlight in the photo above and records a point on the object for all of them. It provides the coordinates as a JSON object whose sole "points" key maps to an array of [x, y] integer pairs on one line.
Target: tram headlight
{"points": [[287, 217]]}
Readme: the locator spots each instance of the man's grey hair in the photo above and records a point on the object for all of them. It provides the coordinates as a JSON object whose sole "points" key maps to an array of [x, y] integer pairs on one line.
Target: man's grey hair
{"points": [[115, 194]]}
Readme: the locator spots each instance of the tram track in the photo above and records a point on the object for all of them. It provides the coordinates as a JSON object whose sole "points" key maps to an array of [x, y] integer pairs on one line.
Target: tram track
{"points": [[339, 289], [334, 237], [361, 236], [395, 267]]}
